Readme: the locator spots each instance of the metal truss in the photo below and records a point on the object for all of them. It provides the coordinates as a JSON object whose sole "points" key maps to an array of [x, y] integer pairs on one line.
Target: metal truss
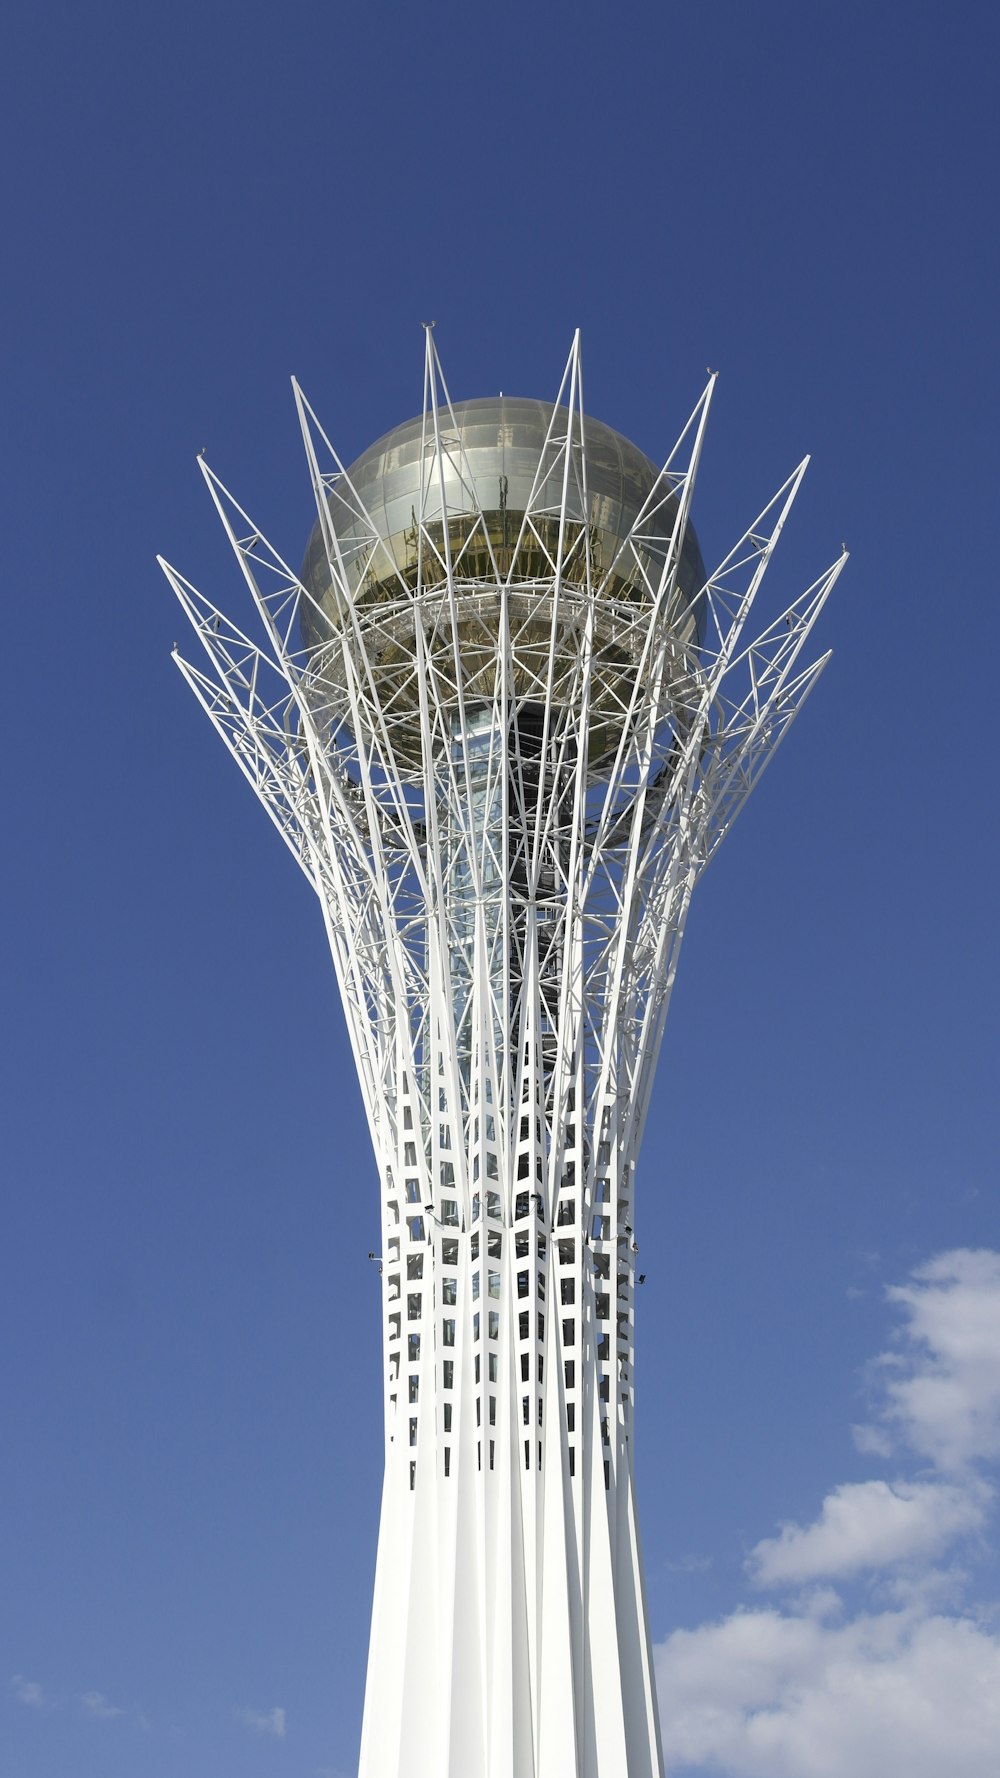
{"points": [[503, 787]]}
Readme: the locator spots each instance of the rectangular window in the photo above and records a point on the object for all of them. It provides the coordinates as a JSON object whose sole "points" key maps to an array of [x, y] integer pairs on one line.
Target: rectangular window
{"points": [[448, 1373], [449, 1253], [522, 1324], [571, 1416], [493, 1410], [447, 1172], [541, 1287], [447, 1461], [410, 1154], [572, 1461], [569, 1372], [392, 1288], [522, 1245], [491, 1453], [541, 1367], [600, 1228], [567, 1290], [413, 1477], [414, 1265], [605, 1389], [492, 1167], [520, 1206], [477, 1367], [541, 1325], [494, 1244], [569, 1333], [413, 1191], [602, 1305], [494, 1284], [522, 1284], [602, 1191], [414, 1387], [493, 1205], [475, 1287], [525, 1367], [394, 1325], [494, 1324], [449, 1291], [493, 1367], [449, 1212], [413, 1431], [448, 1333], [526, 1410], [447, 1416], [490, 1131], [475, 1325], [415, 1225], [413, 1305], [475, 1206], [412, 1348], [566, 1215]]}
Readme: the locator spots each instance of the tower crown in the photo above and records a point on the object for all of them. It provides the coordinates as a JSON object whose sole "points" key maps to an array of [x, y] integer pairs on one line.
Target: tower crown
{"points": [[491, 521]]}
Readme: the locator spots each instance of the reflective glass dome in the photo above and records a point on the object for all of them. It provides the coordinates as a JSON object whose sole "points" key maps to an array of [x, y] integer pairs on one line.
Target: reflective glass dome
{"points": [[488, 485]]}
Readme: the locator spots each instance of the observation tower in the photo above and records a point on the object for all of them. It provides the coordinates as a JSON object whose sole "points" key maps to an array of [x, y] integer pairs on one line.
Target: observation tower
{"points": [[503, 718]]}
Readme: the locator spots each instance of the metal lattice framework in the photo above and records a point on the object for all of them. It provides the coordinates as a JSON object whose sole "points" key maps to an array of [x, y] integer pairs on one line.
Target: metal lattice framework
{"points": [[503, 786]]}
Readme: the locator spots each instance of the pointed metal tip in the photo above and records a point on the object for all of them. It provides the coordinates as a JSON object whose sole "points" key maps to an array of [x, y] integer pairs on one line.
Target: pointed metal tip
{"points": [[428, 326]]}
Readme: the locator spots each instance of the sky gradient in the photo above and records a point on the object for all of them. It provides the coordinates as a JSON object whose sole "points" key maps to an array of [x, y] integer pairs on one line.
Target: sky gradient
{"points": [[199, 202]]}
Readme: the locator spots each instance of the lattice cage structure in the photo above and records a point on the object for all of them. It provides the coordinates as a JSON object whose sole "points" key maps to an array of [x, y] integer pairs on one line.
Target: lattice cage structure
{"points": [[503, 737]]}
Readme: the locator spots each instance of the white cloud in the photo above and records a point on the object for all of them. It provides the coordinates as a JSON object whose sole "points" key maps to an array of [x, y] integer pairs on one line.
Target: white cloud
{"points": [[28, 1691], [812, 1692], [869, 1525], [765, 1694], [942, 1393], [96, 1704], [263, 1722]]}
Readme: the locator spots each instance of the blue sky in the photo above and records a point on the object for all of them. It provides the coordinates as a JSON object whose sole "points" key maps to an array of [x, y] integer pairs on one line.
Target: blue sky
{"points": [[200, 201]]}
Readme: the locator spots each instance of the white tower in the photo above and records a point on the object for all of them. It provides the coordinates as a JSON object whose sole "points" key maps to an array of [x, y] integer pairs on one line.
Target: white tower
{"points": [[503, 719]]}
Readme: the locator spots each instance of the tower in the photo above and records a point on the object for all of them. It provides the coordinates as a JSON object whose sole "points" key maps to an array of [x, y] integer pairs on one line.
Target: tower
{"points": [[503, 719]]}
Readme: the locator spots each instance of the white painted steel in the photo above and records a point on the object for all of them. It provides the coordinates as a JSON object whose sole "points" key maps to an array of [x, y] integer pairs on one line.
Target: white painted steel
{"points": [[505, 919]]}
